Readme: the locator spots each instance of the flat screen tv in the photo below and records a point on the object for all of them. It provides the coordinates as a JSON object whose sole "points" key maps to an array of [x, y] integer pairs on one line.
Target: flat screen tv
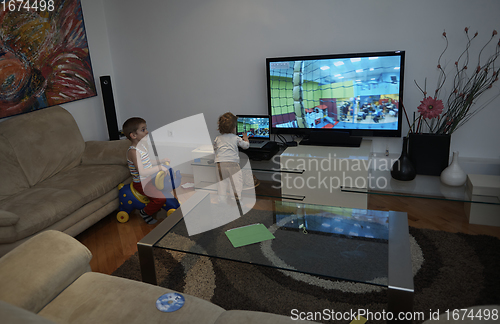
{"points": [[336, 99]]}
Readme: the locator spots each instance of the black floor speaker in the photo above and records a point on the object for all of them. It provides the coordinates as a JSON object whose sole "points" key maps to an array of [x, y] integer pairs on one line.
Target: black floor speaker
{"points": [[109, 107]]}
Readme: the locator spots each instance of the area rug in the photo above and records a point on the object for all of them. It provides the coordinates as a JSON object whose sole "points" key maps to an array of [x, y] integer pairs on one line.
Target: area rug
{"points": [[451, 271]]}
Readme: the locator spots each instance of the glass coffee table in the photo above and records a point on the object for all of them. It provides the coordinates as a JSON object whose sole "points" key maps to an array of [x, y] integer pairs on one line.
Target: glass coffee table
{"points": [[357, 245]]}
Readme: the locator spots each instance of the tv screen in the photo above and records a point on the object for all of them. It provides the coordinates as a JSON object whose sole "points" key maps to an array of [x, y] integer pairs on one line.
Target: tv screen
{"points": [[359, 94]]}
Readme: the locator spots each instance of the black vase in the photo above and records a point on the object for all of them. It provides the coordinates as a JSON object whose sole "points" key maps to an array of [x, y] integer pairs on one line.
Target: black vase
{"points": [[403, 169], [429, 153]]}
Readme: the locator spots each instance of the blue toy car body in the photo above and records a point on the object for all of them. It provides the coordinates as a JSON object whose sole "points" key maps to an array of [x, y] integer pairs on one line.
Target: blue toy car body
{"points": [[131, 199]]}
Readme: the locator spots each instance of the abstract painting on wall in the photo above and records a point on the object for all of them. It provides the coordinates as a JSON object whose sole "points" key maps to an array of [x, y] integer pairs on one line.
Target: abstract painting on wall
{"points": [[44, 56]]}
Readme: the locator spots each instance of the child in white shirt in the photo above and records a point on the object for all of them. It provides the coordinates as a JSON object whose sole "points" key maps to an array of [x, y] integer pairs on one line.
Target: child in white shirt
{"points": [[227, 167], [142, 169]]}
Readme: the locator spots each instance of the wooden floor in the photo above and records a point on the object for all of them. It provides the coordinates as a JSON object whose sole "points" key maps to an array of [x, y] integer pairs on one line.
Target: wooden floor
{"points": [[112, 243]]}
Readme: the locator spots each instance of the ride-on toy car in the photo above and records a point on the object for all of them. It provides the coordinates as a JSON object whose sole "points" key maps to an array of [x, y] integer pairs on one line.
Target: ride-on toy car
{"points": [[131, 199]]}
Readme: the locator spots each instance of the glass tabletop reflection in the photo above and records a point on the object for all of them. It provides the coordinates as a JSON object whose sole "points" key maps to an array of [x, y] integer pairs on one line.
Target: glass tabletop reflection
{"points": [[334, 242]]}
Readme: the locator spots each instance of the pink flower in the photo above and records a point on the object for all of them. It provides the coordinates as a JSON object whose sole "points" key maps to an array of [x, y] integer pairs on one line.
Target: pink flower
{"points": [[430, 107]]}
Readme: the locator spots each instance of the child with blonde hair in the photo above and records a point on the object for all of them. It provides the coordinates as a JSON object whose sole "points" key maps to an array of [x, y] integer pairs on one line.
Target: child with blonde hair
{"points": [[227, 159]]}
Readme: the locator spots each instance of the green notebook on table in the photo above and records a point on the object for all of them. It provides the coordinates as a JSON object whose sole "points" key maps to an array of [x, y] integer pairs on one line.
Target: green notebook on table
{"points": [[249, 234]]}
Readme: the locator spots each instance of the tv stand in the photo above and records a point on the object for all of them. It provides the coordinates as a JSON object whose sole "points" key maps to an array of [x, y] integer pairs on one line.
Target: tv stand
{"points": [[325, 171], [309, 174], [328, 138]]}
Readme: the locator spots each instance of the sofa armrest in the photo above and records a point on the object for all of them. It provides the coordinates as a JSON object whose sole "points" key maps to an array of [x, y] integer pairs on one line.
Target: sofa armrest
{"points": [[105, 152], [7, 218], [15, 315], [35, 272]]}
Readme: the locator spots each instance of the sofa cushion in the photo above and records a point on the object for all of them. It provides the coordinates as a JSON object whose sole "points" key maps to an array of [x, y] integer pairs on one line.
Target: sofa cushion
{"points": [[37, 209], [13, 178], [100, 298], [55, 198], [43, 150], [110, 152], [89, 181], [35, 272]]}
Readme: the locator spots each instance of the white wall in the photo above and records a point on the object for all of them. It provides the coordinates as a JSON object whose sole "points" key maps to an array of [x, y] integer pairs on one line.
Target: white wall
{"points": [[172, 59], [89, 113]]}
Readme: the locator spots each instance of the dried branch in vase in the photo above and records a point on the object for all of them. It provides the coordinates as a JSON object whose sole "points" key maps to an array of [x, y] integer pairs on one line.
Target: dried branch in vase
{"points": [[468, 85]]}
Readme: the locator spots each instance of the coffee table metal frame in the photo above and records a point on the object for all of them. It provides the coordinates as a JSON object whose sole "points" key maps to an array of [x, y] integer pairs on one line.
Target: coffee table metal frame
{"points": [[400, 276]]}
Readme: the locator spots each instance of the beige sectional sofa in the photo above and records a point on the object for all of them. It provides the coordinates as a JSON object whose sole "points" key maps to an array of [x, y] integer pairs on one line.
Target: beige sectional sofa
{"points": [[48, 280], [52, 178]]}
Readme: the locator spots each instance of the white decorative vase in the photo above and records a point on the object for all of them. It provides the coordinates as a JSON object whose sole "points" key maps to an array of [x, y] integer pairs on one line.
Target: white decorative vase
{"points": [[453, 175]]}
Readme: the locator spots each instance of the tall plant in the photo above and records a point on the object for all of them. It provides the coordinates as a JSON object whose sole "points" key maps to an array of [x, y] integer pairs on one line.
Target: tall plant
{"points": [[469, 83]]}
